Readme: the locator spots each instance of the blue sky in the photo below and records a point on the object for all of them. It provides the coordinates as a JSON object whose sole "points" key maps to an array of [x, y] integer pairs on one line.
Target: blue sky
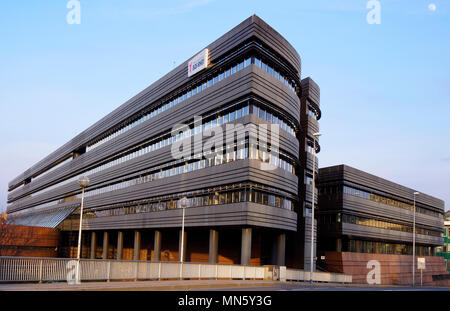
{"points": [[385, 88]]}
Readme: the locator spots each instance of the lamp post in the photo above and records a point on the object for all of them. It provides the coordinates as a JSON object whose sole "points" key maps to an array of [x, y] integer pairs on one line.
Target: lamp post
{"points": [[316, 136], [83, 182], [414, 240], [183, 205]]}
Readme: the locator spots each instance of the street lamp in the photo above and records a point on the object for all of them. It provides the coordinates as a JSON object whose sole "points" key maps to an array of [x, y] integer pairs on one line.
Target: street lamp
{"points": [[83, 182], [414, 240], [316, 136], [183, 205]]}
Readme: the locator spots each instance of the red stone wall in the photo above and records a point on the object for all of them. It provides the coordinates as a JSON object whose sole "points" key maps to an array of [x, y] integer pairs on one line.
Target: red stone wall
{"points": [[394, 269], [26, 241]]}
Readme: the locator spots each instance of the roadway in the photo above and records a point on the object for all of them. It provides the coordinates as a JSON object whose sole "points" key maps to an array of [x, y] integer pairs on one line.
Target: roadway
{"points": [[205, 285]]}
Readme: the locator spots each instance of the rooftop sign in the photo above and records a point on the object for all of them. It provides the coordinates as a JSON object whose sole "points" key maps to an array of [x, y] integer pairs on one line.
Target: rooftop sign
{"points": [[198, 62]]}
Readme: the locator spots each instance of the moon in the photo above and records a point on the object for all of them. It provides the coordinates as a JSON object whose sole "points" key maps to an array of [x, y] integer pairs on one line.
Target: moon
{"points": [[432, 7]]}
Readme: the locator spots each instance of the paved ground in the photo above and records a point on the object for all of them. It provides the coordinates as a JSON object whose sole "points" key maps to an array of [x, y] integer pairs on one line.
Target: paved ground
{"points": [[194, 285]]}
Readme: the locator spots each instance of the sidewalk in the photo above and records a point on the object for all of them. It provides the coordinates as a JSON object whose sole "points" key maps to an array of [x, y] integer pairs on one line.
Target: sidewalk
{"points": [[138, 285]]}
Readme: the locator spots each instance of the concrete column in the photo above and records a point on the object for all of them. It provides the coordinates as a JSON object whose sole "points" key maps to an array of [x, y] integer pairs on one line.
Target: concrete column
{"points": [[119, 245], [339, 245], [281, 249], [246, 246], [184, 246], [105, 245], [307, 245], [213, 245], [93, 244], [137, 245], [157, 246]]}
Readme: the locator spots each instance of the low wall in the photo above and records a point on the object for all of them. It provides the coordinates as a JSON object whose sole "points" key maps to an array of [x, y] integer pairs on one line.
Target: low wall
{"points": [[385, 269]]}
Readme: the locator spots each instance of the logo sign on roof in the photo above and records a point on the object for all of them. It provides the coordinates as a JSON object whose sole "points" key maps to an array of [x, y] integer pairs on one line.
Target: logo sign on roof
{"points": [[198, 63]]}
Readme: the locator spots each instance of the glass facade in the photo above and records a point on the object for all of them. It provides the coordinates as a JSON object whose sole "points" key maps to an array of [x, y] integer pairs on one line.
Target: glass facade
{"points": [[378, 222], [379, 198], [266, 66], [379, 247], [189, 164], [217, 118], [202, 84], [260, 150], [229, 194], [212, 80], [311, 112], [268, 115]]}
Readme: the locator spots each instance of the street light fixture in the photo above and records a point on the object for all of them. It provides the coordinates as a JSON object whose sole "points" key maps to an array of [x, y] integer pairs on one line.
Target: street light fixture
{"points": [[414, 240], [83, 182], [316, 136], [183, 204]]}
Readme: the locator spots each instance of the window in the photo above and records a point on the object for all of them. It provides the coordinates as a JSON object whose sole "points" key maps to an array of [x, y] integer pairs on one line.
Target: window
{"points": [[238, 113], [264, 66], [232, 116], [246, 110], [262, 114]]}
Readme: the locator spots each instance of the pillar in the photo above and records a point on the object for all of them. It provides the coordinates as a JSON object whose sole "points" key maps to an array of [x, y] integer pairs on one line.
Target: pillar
{"points": [[157, 246], [137, 245], [246, 246], [93, 244], [281, 249], [184, 246], [119, 245], [213, 245], [105, 245], [339, 245], [307, 245]]}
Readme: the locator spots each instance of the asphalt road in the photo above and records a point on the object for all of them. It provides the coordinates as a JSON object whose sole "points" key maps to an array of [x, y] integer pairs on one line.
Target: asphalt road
{"points": [[329, 288], [203, 285]]}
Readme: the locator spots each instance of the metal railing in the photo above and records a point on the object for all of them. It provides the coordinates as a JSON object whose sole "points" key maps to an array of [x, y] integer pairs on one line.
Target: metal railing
{"points": [[326, 277], [20, 269]]}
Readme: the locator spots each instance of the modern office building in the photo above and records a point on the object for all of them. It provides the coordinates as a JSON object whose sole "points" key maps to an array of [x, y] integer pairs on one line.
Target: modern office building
{"points": [[444, 250], [363, 217], [247, 203]]}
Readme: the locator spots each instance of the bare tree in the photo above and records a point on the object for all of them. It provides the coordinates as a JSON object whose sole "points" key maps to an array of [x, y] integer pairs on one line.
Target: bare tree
{"points": [[3, 198], [14, 238]]}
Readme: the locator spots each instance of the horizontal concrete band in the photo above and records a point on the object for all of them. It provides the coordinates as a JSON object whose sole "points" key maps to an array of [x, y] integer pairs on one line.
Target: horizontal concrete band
{"points": [[359, 205], [388, 235], [238, 214], [152, 159], [233, 172], [342, 173]]}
